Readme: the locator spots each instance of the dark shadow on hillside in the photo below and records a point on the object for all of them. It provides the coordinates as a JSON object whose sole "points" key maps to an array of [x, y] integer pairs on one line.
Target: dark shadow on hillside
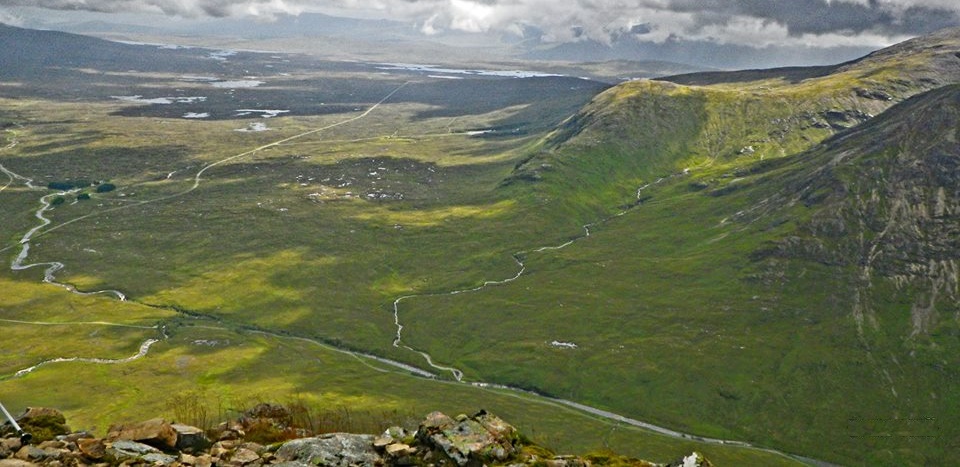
{"points": [[546, 101], [103, 163], [792, 75]]}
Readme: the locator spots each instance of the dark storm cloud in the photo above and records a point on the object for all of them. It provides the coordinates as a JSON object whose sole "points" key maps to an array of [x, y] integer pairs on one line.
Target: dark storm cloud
{"points": [[748, 22], [821, 16], [641, 29]]}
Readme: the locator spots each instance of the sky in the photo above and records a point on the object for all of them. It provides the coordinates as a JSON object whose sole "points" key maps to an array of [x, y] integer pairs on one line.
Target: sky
{"points": [[735, 23]]}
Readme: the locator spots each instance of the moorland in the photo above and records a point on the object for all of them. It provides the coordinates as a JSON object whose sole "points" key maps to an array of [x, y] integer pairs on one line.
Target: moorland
{"points": [[759, 258]]}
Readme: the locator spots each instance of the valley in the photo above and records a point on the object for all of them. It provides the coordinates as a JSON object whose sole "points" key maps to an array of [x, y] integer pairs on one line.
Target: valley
{"points": [[699, 262]]}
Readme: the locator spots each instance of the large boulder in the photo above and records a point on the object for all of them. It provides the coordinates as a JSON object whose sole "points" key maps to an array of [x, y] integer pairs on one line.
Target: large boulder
{"points": [[41, 422], [156, 432], [190, 438], [481, 439], [336, 449]]}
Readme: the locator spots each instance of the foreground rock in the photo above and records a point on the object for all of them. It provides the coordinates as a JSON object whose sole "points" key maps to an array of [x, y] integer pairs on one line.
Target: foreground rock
{"points": [[157, 433], [440, 441], [481, 439], [340, 449]]}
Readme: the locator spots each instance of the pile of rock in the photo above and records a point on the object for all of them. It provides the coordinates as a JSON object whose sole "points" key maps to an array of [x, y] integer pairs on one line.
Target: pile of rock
{"points": [[480, 440]]}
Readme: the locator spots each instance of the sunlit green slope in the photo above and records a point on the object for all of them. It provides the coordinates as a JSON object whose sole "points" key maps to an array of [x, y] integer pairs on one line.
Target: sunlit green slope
{"points": [[787, 275]]}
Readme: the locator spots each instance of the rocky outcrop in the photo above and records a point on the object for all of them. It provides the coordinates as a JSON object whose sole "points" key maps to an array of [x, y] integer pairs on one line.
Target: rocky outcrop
{"points": [[157, 433], [481, 439], [441, 441], [335, 449]]}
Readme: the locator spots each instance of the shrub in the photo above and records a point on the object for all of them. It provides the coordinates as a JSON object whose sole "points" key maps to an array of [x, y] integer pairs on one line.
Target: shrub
{"points": [[45, 427], [62, 186], [83, 196], [65, 185]]}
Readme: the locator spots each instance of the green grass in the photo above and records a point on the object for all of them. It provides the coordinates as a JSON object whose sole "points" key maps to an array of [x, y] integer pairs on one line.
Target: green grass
{"points": [[683, 310], [228, 369], [252, 248]]}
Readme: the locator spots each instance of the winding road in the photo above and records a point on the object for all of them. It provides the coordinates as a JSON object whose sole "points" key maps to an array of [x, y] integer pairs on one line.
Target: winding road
{"points": [[51, 268]]}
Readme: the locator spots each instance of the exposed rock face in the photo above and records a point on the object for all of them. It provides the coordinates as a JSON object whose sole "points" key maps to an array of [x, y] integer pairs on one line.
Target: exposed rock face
{"points": [[482, 439], [886, 201]]}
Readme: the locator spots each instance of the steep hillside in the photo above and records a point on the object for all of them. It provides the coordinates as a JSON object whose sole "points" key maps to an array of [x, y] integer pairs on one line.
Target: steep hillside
{"points": [[878, 208], [886, 205], [778, 264], [715, 121]]}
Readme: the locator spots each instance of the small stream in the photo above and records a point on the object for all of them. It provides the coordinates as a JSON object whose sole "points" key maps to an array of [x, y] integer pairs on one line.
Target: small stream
{"points": [[52, 267]]}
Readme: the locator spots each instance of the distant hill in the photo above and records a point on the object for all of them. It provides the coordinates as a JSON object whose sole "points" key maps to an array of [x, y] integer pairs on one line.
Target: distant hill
{"points": [[701, 53], [775, 112], [27, 51], [333, 36]]}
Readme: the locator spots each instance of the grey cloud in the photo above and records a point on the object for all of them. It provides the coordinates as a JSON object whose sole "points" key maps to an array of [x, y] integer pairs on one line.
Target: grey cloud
{"points": [[599, 20], [641, 29], [184, 8], [822, 16]]}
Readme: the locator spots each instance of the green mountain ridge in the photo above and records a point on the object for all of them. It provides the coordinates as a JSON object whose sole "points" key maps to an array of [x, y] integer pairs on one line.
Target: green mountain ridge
{"points": [[775, 112], [759, 256], [829, 195]]}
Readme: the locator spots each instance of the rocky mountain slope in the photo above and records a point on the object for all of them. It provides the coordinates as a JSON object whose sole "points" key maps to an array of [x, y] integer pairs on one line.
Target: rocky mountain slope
{"points": [[828, 194], [886, 199], [265, 435]]}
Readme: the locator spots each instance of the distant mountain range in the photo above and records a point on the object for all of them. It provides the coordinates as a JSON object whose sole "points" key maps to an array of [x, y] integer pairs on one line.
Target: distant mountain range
{"points": [[365, 36]]}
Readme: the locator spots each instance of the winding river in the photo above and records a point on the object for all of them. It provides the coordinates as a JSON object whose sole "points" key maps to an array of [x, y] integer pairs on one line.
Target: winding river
{"points": [[52, 267]]}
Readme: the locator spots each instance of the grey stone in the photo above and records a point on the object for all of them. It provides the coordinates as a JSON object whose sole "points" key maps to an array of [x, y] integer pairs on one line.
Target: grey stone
{"points": [[337, 449], [122, 450], [31, 453], [190, 438], [291, 464], [483, 438], [159, 458]]}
